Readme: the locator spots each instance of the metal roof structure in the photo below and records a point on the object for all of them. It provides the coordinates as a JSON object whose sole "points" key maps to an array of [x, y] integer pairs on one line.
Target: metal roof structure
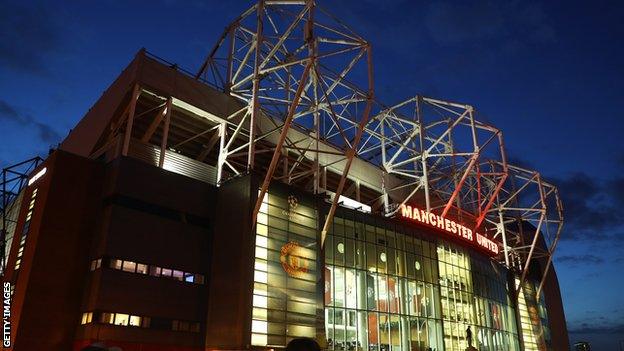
{"points": [[287, 93], [312, 76]]}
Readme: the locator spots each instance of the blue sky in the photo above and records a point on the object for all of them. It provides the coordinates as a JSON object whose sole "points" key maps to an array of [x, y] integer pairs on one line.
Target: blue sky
{"points": [[550, 75]]}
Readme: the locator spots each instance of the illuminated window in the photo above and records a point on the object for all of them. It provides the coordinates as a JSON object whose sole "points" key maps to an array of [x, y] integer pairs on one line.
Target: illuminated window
{"points": [[129, 266], [134, 321], [179, 275], [116, 264], [155, 271], [121, 319], [26, 228], [107, 318], [259, 326], [259, 339], [141, 268], [86, 317]]}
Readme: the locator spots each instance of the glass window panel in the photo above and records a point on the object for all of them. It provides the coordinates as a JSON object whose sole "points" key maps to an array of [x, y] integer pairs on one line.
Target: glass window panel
{"points": [[129, 266], [361, 291], [155, 271], [329, 251], [382, 295], [141, 268], [258, 339], [410, 265], [116, 264], [349, 228], [373, 331], [107, 318], [350, 288], [371, 291], [391, 260], [339, 286], [360, 255], [121, 319], [384, 331], [339, 251], [134, 321], [362, 330], [371, 257], [349, 253], [370, 234]]}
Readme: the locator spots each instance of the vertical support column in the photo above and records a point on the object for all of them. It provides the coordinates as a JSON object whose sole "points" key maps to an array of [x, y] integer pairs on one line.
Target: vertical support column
{"points": [[384, 162], [165, 136], [228, 84], [504, 234], [255, 108], [423, 157], [128, 134], [222, 152]]}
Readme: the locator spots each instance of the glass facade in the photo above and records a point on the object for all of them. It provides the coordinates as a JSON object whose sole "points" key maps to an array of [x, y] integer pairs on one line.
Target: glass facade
{"points": [[474, 295], [286, 290], [389, 287], [533, 319]]}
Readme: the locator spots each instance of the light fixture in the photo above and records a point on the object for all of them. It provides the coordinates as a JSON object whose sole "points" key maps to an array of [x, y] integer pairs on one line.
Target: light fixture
{"points": [[340, 248], [382, 257]]}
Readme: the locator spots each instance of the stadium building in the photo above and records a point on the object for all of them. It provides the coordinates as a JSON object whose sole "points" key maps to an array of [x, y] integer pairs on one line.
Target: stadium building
{"points": [[270, 195]]}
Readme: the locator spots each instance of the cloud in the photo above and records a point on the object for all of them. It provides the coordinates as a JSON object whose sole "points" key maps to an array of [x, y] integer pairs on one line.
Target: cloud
{"points": [[592, 208], [28, 35], [585, 259], [598, 328], [46, 132]]}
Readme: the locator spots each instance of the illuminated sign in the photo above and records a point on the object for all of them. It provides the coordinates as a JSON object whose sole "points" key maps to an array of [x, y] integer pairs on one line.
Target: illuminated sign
{"points": [[37, 176], [292, 261], [293, 202], [449, 226]]}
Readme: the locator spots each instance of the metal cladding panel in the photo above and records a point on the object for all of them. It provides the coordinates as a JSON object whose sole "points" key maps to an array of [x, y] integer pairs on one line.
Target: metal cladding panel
{"points": [[174, 162]]}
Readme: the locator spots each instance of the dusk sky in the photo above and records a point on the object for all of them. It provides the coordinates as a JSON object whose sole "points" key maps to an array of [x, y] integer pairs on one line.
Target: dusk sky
{"points": [[549, 74]]}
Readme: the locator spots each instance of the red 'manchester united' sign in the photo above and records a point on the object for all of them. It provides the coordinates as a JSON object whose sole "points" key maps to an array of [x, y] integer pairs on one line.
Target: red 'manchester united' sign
{"points": [[449, 226]]}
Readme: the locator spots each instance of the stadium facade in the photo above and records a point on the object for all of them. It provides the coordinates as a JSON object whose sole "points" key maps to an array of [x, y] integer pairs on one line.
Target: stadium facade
{"points": [[270, 196]]}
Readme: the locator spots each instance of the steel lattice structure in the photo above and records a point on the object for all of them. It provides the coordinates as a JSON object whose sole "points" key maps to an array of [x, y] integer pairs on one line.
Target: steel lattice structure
{"points": [[304, 81], [296, 68], [438, 150], [13, 179], [528, 216]]}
